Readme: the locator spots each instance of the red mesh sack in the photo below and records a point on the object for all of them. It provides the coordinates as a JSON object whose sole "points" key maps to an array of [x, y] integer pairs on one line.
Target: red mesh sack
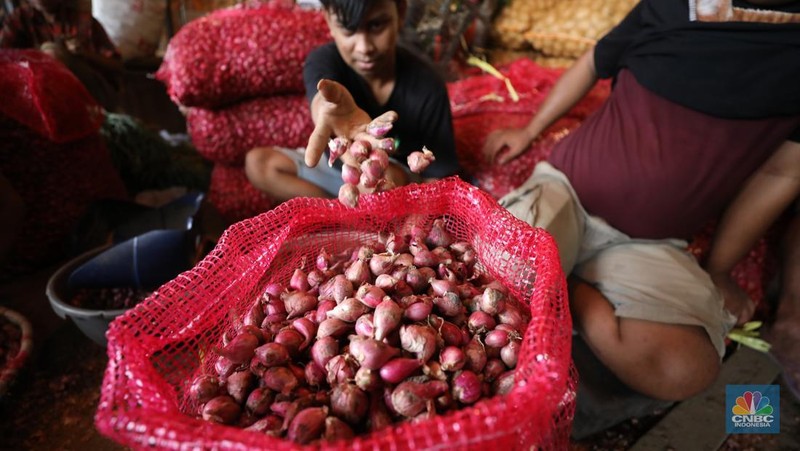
{"points": [[42, 94], [236, 53], [57, 182], [481, 104], [157, 348], [225, 135], [234, 196]]}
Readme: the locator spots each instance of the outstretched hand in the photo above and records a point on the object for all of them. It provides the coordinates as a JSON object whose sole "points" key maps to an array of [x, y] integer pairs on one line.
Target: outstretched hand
{"points": [[338, 115], [504, 145]]}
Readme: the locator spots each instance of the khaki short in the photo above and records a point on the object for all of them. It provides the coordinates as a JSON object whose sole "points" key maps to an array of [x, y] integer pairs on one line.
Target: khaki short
{"points": [[654, 280]]}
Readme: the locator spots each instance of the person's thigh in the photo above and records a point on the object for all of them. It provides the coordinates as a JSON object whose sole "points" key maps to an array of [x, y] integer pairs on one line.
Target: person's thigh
{"points": [[661, 283]]}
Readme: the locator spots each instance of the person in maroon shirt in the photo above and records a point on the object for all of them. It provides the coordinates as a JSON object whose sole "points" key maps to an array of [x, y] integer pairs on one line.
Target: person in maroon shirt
{"points": [[704, 94]]}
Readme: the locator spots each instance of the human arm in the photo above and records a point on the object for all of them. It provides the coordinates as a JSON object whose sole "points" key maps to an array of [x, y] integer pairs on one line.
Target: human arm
{"points": [[568, 90], [335, 113], [764, 197]]}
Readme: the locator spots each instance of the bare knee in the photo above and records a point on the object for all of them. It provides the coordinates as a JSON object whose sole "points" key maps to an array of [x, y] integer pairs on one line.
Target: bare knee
{"points": [[676, 363], [263, 165]]}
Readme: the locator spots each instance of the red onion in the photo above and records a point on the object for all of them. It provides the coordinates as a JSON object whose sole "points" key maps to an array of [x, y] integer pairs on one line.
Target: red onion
{"points": [[410, 398], [359, 150], [239, 385], [397, 370], [492, 301], [416, 280], [336, 429], [433, 370], [419, 160], [370, 295], [480, 322], [496, 338], [386, 318], [307, 328], [385, 282], [367, 379], [270, 425], [291, 338], [273, 290], [365, 326], [452, 358], [511, 316], [341, 368], [426, 258], [203, 388], [259, 400], [493, 369], [381, 263], [449, 304], [475, 355], [240, 349], [336, 148], [438, 235], [222, 409], [440, 287], [351, 174], [466, 387], [298, 303], [224, 367], [358, 272], [280, 379], [378, 416], [395, 244], [510, 353], [272, 354], [349, 310], [418, 340], [504, 383], [349, 403], [255, 315], [323, 350], [276, 306], [315, 278], [348, 195], [404, 260], [308, 425], [322, 310], [337, 288], [419, 310], [314, 374], [333, 327], [299, 280], [371, 353]]}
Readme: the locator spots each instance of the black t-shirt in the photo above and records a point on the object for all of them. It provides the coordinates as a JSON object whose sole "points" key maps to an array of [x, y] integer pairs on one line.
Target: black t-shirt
{"points": [[419, 97], [738, 68]]}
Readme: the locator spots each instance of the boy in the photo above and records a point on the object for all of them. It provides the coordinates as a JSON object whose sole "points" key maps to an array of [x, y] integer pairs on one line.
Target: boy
{"points": [[362, 74]]}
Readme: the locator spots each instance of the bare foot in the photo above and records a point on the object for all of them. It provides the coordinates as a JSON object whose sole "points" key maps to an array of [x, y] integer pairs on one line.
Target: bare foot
{"points": [[736, 300]]}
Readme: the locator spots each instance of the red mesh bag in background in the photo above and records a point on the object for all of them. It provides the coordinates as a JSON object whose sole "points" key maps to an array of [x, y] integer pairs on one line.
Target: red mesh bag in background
{"points": [[57, 183], [482, 104], [238, 53], [225, 135], [40, 93], [234, 196], [157, 348]]}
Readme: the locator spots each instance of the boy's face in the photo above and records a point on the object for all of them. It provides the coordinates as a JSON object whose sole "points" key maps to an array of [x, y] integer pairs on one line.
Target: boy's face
{"points": [[370, 49]]}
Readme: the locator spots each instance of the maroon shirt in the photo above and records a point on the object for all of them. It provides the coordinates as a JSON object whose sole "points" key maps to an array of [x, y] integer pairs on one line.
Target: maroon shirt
{"points": [[655, 169]]}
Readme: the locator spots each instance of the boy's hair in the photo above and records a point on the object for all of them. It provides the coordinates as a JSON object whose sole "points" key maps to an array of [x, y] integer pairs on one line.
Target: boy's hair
{"points": [[349, 12]]}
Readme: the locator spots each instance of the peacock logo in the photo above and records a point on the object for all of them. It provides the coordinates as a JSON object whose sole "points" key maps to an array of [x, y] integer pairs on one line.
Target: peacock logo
{"points": [[753, 409], [752, 403]]}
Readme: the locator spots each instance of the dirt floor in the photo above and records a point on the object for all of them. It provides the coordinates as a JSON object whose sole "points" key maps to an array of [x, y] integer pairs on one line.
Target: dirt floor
{"points": [[52, 403]]}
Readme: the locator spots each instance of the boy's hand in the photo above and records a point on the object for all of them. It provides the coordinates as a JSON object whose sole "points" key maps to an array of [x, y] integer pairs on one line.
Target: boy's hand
{"points": [[338, 115]]}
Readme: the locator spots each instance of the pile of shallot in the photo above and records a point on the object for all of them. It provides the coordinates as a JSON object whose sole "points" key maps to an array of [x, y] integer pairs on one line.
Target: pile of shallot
{"points": [[365, 168], [402, 328]]}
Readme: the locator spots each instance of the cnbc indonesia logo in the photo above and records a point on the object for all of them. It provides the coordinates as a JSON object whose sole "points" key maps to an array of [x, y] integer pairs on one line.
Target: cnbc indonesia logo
{"points": [[752, 412]]}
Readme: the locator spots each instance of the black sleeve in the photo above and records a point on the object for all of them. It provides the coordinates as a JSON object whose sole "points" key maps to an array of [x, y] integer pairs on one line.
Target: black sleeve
{"points": [[610, 48], [322, 62], [437, 126], [795, 136]]}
